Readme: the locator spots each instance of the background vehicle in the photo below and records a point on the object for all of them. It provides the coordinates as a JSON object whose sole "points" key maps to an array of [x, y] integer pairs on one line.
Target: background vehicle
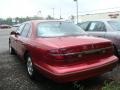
{"points": [[109, 29], [4, 26], [61, 51], [16, 25]]}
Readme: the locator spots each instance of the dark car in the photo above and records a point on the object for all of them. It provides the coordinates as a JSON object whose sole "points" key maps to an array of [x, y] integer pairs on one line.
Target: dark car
{"points": [[5, 26], [109, 29], [61, 51]]}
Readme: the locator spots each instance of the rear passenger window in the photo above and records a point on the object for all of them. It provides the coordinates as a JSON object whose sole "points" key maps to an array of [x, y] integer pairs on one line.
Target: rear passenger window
{"points": [[19, 30], [26, 30], [84, 25], [97, 26]]}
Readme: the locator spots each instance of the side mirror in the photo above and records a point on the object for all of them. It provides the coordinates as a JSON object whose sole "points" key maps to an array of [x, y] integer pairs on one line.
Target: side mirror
{"points": [[17, 33], [13, 33]]}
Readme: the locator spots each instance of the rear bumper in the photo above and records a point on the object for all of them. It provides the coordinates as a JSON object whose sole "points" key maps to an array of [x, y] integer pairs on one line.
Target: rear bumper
{"points": [[78, 72]]}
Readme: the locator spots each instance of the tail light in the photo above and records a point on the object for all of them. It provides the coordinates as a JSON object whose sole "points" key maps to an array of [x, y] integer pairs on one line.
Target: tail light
{"points": [[57, 54], [61, 54]]}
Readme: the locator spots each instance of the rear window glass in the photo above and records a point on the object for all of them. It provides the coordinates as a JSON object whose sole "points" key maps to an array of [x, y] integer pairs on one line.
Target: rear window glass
{"points": [[115, 25], [56, 29]]}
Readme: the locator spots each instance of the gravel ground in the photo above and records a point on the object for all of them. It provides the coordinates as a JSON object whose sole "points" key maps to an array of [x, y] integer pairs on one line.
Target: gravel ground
{"points": [[13, 74]]}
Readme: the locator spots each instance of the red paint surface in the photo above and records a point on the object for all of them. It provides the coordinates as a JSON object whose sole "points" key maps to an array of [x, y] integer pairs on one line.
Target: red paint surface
{"points": [[65, 68]]}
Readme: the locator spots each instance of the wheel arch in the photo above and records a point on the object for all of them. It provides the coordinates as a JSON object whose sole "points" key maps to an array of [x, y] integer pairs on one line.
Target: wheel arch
{"points": [[26, 53], [115, 50]]}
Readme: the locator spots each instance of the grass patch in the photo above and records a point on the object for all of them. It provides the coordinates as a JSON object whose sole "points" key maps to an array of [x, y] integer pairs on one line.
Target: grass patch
{"points": [[114, 85]]}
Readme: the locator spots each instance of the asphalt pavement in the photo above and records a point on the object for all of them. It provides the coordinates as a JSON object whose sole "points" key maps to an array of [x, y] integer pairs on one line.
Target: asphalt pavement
{"points": [[13, 75]]}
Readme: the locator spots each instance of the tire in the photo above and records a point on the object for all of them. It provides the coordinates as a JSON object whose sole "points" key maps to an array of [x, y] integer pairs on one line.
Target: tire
{"points": [[30, 69], [116, 51], [11, 50]]}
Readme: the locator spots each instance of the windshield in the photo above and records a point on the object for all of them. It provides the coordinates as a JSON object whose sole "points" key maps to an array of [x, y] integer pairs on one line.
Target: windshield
{"points": [[57, 29], [115, 25]]}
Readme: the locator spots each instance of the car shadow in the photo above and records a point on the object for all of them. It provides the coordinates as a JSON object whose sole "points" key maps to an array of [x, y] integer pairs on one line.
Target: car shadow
{"points": [[89, 84]]}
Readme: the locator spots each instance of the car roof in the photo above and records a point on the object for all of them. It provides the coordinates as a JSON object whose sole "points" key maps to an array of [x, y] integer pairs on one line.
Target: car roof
{"points": [[103, 20], [40, 21]]}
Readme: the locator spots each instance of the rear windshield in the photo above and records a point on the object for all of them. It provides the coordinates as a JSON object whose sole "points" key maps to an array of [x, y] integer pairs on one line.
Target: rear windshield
{"points": [[115, 25], [58, 29]]}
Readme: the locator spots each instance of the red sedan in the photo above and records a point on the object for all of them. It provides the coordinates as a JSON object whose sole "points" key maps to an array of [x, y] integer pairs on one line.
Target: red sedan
{"points": [[61, 51]]}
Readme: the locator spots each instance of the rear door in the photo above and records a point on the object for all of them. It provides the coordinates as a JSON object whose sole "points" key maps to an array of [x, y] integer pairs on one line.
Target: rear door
{"points": [[23, 39], [97, 28], [14, 38]]}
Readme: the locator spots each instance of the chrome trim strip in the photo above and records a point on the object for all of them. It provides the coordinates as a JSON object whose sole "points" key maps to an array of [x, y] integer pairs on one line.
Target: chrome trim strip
{"points": [[84, 52]]}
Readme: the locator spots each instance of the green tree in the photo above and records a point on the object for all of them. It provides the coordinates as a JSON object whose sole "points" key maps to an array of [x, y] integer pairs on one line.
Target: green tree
{"points": [[49, 17]]}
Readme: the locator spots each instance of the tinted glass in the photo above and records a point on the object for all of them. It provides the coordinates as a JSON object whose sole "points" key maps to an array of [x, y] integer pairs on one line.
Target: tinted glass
{"points": [[29, 32], [19, 30], [84, 25], [25, 30], [115, 25], [54, 29], [97, 26]]}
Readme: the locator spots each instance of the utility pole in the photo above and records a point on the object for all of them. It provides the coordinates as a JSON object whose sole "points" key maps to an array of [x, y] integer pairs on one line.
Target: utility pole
{"points": [[76, 10], [60, 13], [53, 11]]}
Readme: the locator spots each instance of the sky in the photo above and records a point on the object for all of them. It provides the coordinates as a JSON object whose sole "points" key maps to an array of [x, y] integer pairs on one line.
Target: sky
{"points": [[23, 8]]}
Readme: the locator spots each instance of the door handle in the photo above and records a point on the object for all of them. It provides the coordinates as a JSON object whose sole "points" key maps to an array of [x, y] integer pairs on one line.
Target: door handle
{"points": [[16, 40], [99, 36], [22, 43]]}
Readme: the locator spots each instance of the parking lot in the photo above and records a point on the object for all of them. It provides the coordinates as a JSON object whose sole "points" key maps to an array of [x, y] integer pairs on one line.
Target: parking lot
{"points": [[13, 74]]}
